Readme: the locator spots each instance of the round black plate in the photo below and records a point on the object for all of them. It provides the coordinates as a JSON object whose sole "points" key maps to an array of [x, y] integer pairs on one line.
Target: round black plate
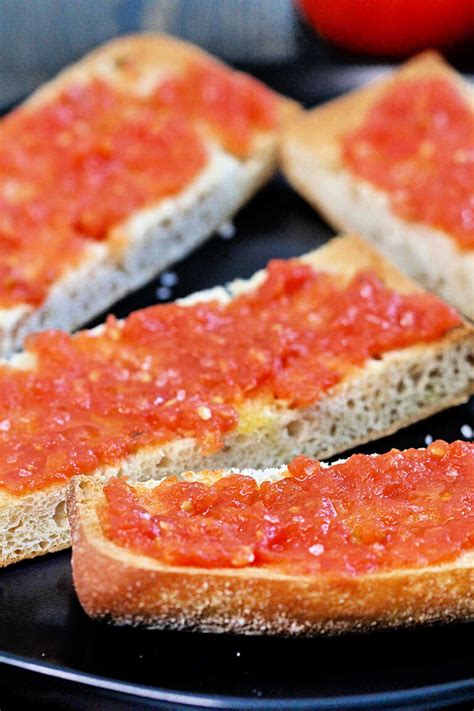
{"points": [[42, 627], [86, 665]]}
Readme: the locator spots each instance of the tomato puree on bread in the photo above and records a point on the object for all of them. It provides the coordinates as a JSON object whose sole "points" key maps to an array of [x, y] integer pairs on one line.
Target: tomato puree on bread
{"points": [[77, 165], [174, 371], [417, 144], [369, 514]]}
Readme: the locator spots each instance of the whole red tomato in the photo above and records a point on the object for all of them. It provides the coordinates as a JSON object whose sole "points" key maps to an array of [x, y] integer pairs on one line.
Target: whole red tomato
{"points": [[391, 27]]}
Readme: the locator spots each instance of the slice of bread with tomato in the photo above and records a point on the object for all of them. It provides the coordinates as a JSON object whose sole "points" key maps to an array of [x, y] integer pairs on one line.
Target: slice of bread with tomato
{"points": [[373, 541], [394, 161], [313, 355], [117, 168]]}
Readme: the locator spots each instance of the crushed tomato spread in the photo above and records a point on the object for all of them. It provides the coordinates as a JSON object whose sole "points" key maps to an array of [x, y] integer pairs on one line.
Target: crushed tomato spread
{"points": [[417, 143], [172, 371], [367, 514], [77, 165]]}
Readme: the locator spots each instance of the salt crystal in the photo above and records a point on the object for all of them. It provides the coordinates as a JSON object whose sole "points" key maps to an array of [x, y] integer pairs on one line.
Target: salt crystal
{"points": [[169, 279], [204, 412], [407, 319], [163, 293], [227, 230], [467, 431], [452, 473]]}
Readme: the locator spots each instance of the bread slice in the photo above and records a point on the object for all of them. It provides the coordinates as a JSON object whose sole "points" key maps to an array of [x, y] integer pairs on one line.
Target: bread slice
{"points": [[152, 238], [128, 588], [313, 163], [386, 394]]}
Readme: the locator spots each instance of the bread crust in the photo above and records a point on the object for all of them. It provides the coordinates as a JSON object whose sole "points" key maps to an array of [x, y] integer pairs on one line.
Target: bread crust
{"points": [[312, 161], [126, 588], [321, 129], [372, 401], [146, 242], [133, 63]]}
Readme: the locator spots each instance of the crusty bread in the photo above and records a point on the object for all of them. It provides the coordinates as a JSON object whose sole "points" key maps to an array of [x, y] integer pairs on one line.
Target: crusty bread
{"points": [[127, 588], [153, 238], [312, 161], [384, 395]]}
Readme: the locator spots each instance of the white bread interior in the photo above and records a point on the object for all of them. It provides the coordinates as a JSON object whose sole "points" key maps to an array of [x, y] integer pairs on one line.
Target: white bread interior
{"points": [[381, 397], [313, 164]]}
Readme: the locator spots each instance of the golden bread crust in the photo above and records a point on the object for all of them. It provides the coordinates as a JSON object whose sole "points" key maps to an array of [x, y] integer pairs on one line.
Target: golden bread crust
{"points": [[116, 584], [134, 63], [320, 130]]}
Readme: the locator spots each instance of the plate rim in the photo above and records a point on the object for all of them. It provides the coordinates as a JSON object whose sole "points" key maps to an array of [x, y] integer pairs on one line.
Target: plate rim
{"points": [[452, 691]]}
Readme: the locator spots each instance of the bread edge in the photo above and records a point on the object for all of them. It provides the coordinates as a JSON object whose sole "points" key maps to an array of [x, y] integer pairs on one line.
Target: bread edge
{"points": [[117, 585]]}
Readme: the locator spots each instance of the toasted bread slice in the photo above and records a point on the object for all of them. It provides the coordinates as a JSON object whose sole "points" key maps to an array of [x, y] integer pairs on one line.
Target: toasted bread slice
{"points": [[149, 239], [371, 401], [313, 163], [118, 584]]}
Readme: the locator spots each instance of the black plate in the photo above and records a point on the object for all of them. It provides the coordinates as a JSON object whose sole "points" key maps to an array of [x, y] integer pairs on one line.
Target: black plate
{"points": [[43, 629]]}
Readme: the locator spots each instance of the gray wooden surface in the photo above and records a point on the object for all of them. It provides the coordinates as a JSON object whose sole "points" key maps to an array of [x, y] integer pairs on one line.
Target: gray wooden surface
{"points": [[38, 37]]}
